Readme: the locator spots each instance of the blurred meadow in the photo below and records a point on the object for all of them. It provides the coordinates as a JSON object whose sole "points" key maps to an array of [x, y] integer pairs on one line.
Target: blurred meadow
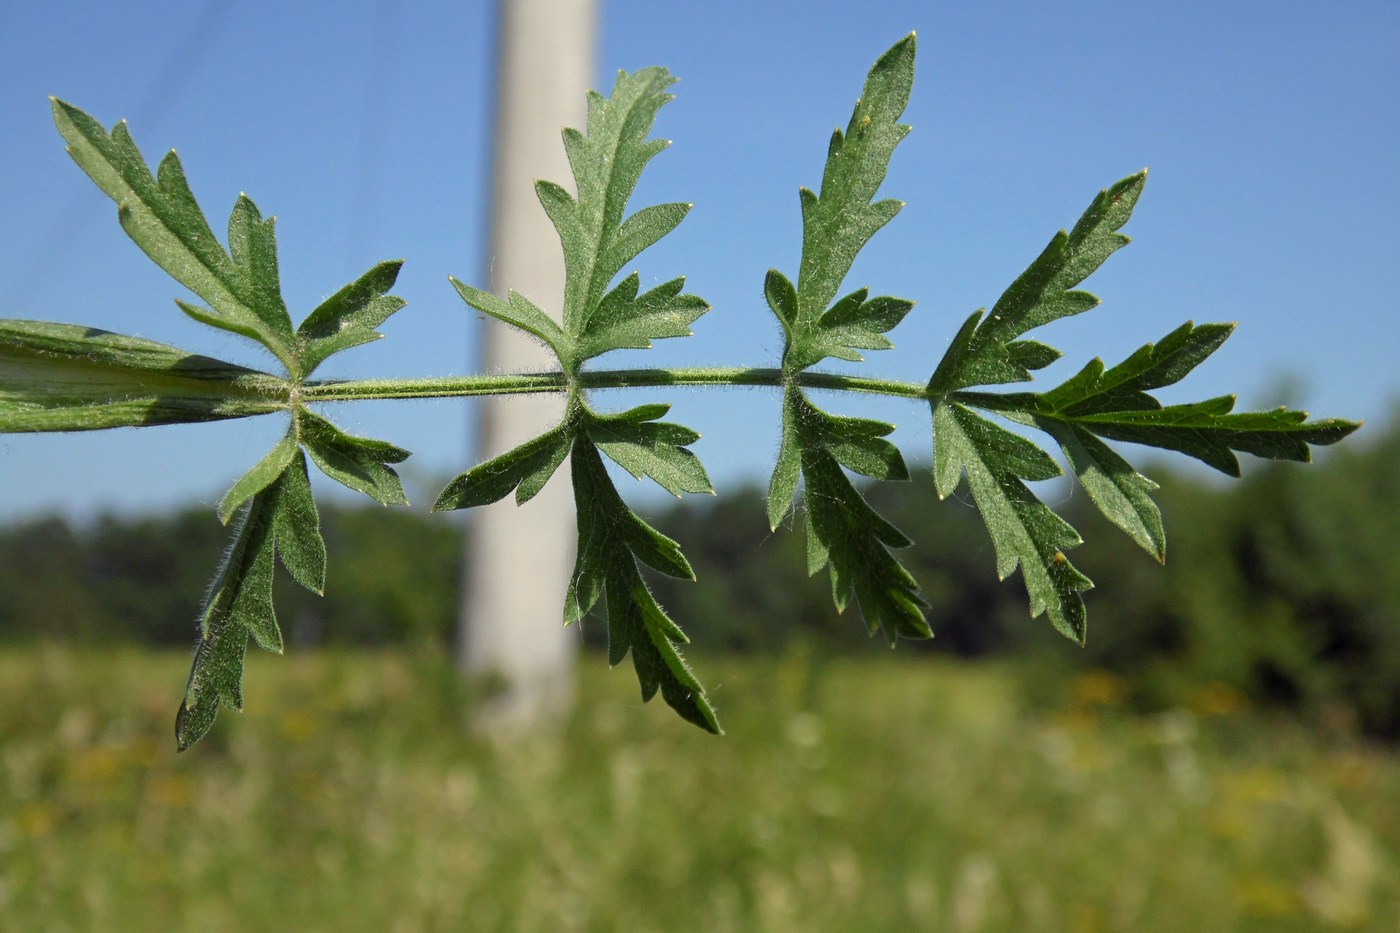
{"points": [[1221, 755], [875, 793]]}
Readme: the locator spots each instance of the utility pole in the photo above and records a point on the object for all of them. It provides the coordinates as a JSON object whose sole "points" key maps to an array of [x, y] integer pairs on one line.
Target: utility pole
{"points": [[519, 559]]}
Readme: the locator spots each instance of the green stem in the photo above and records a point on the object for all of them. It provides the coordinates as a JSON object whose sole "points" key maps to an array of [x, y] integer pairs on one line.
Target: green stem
{"points": [[436, 387], [528, 383]]}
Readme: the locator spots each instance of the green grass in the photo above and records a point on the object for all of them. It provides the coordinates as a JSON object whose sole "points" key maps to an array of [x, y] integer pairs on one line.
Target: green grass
{"points": [[850, 795]]}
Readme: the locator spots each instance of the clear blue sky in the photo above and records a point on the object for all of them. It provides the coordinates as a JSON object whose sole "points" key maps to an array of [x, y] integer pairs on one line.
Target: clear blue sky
{"points": [[1271, 131]]}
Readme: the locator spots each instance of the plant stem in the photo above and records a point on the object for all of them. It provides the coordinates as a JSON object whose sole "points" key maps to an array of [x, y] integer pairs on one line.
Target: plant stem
{"points": [[527, 383], [435, 387]]}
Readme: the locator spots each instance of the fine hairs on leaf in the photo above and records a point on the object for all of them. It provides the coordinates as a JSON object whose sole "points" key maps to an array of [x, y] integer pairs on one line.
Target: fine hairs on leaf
{"points": [[62, 377]]}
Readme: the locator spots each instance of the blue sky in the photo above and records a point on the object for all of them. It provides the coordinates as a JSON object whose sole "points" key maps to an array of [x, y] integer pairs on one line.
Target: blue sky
{"points": [[1270, 131]]}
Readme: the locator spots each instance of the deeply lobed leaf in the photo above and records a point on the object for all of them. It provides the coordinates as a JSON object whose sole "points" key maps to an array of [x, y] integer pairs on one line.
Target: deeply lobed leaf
{"points": [[838, 222], [1115, 403], [242, 285], [606, 164], [643, 446], [349, 317], [1026, 533], [598, 316], [986, 351], [278, 520], [598, 242], [1095, 403], [360, 463], [523, 470], [160, 214], [626, 320], [612, 539], [844, 534]]}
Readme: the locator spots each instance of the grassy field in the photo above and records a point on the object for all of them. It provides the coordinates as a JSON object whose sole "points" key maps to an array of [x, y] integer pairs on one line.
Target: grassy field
{"points": [[855, 795]]}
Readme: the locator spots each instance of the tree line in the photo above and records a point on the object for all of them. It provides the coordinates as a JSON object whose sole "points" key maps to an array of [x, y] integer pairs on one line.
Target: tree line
{"points": [[1282, 587]]}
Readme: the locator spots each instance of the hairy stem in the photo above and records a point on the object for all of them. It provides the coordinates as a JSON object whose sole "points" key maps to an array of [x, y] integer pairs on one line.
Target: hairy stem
{"points": [[528, 383]]}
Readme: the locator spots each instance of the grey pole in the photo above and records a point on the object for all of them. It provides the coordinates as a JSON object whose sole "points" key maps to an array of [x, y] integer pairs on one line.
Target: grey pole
{"points": [[519, 559]]}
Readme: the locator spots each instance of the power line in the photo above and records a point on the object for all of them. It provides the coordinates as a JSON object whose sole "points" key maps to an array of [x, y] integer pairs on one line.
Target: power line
{"points": [[53, 249]]}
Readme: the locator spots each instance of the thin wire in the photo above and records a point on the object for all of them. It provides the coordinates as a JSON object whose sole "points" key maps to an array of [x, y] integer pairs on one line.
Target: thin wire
{"points": [[375, 114], [54, 249]]}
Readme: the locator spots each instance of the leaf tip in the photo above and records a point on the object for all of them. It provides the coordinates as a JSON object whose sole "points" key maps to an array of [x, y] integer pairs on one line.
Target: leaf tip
{"points": [[909, 42]]}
